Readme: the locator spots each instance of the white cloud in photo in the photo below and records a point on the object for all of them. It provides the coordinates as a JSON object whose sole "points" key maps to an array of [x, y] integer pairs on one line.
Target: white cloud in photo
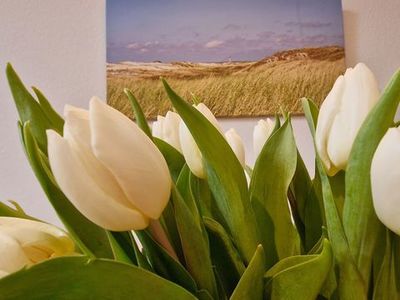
{"points": [[133, 46], [214, 44]]}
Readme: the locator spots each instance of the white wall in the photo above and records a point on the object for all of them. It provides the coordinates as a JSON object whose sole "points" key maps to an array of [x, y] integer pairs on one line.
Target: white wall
{"points": [[59, 46]]}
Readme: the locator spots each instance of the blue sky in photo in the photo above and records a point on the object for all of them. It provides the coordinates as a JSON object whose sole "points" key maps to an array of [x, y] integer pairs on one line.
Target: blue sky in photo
{"points": [[218, 30]]}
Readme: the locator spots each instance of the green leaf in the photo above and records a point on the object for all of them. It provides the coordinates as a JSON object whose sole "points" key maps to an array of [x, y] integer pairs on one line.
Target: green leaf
{"points": [[195, 247], [163, 264], [28, 108], [56, 120], [298, 195], [17, 212], [351, 285], [360, 222], [204, 295], [203, 197], [387, 285], [138, 112], [141, 259], [313, 211], [122, 247], [330, 284], [90, 238], [272, 174], [196, 206], [205, 201], [221, 291], [311, 113], [174, 158], [299, 277], [183, 185], [225, 176], [81, 278], [313, 214], [337, 183], [301, 186], [224, 255], [251, 285], [168, 223]]}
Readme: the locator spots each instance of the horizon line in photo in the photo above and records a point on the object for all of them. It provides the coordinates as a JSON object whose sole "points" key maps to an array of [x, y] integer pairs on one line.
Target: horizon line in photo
{"points": [[229, 60]]}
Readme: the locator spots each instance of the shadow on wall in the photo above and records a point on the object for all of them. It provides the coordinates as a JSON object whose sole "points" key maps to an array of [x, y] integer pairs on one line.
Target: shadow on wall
{"points": [[351, 38]]}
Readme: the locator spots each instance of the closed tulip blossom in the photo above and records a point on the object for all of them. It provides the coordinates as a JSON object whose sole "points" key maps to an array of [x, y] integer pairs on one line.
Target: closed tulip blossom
{"points": [[261, 133], [341, 115], [108, 168], [385, 178], [190, 150], [235, 141], [26, 242], [167, 129]]}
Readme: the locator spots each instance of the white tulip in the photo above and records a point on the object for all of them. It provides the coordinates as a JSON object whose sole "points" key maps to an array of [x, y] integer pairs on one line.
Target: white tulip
{"points": [[26, 242], [345, 108], [235, 141], [108, 168], [167, 129], [261, 133], [190, 150], [385, 178], [12, 257]]}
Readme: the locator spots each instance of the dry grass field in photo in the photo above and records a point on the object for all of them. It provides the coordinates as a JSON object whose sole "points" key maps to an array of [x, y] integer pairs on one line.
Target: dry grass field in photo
{"points": [[230, 89]]}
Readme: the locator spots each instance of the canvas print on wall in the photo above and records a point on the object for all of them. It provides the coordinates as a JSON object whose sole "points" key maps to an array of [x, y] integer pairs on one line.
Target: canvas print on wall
{"points": [[242, 58]]}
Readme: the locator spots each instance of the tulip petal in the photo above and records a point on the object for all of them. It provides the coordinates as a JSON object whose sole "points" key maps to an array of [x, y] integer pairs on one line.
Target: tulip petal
{"points": [[191, 152], [12, 257], [77, 133], [133, 159], [339, 144], [385, 176], [235, 141], [329, 109], [3, 274], [360, 95], [31, 233], [157, 128], [205, 111], [171, 130], [85, 194], [261, 133]]}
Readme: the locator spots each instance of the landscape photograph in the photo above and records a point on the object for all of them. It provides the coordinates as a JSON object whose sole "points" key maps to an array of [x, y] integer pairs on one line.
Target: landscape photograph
{"points": [[241, 58]]}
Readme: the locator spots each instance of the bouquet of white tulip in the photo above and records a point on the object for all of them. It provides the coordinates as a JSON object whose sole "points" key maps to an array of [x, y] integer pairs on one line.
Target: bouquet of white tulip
{"points": [[175, 213]]}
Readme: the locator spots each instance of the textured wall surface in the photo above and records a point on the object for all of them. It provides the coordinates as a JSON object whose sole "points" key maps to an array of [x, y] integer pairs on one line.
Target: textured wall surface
{"points": [[59, 46]]}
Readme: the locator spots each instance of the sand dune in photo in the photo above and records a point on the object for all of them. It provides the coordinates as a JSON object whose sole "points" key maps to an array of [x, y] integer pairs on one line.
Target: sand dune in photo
{"points": [[232, 89]]}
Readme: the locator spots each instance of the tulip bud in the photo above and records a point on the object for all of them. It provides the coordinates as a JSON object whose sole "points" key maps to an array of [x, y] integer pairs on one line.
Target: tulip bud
{"points": [[261, 133], [26, 242], [167, 129], [235, 141], [190, 150], [345, 108], [108, 168], [385, 178]]}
